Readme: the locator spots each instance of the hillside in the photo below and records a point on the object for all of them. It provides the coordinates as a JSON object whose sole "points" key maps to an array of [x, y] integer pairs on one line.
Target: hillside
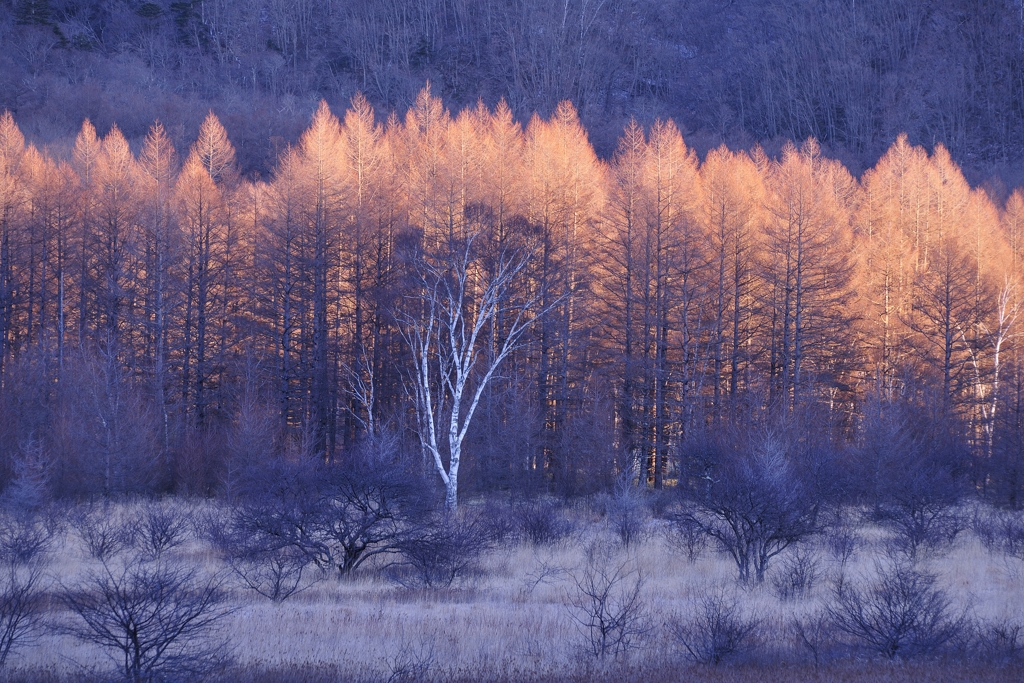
{"points": [[853, 74]]}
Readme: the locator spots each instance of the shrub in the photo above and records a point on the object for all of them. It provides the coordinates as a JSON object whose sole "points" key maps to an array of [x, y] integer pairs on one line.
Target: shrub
{"points": [[24, 541], [627, 512], [605, 602], [440, 552], [1000, 531], [1002, 640], [901, 613], [841, 542], [265, 564], [275, 574], [162, 526], [797, 575], [754, 505], [815, 632], [717, 630], [918, 523], [101, 530], [685, 534], [541, 522]]}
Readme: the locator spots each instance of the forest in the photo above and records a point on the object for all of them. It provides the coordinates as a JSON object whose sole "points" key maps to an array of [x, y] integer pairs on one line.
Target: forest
{"points": [[166, 325], [604, 340], [446, 397]]}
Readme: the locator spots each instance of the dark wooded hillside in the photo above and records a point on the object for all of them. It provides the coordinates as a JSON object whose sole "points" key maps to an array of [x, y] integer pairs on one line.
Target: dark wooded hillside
{"points": [[853, 74]]}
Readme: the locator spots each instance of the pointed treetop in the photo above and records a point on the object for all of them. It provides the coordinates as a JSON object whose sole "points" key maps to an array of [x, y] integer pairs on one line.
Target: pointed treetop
{"points": [[86, 151], [633, 138], [12, 142], [159, 157], [503, 117], [427, 114], [360, 107], [567, 121], [114, 143], [810, 148], [214, 150], [320, 140]]}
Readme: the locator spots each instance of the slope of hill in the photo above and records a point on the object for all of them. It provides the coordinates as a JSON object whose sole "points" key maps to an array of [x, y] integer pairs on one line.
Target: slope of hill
{"points": [[852, 73]]}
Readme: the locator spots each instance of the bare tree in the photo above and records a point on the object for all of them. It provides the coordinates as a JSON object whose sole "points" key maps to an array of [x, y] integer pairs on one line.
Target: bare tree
{"points": [[753, 503], [334, 517], [1000, 335], [23, 543], [815, 632], [101, 531], [153, 618], [163, 525], [627, 511], [540, 522], [274, 573], [461, 295], [914, 470], [606, 603], [686, 534], [799, 573], [436, 554]]}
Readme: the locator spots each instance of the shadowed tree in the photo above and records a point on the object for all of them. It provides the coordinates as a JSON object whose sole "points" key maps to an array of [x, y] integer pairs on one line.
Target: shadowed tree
{"points": [[162, 252]]}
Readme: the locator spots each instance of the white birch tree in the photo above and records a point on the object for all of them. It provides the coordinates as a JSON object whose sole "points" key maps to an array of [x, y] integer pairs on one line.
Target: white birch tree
{"points": [[999, 335], [449, 329]]}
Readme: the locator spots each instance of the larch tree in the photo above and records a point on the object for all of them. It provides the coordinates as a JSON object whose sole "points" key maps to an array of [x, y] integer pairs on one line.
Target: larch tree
{"points": [[54, 213], [364, 252], [283, 288], [162, 245], [85, 157], [671, 233], [115, 256], [653, 261], [34, 258], [886, 247], [424, 137], [13, 197], [733, 194], [953, 294], [944, 314], [565, 200], [807, 271], [1012, 219], [203, 201], [387, 241], [995, 299], [504, 444], [619, 258], [322, 157]]}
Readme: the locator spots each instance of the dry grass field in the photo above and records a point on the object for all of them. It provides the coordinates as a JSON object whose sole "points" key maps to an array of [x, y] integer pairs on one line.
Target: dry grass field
{"points": [[518, 615]]}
